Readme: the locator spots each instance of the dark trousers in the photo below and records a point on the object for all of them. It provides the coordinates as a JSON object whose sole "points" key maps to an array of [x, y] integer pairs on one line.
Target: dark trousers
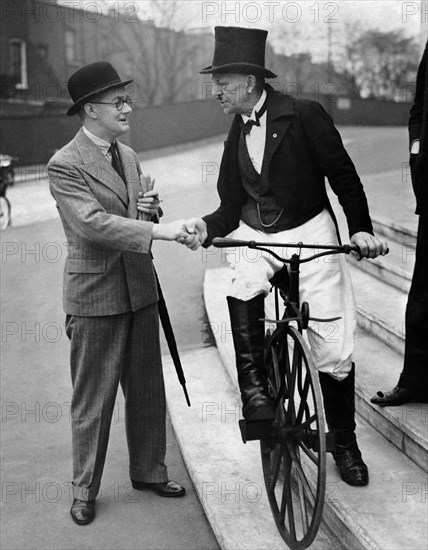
{"points": [[106, 351], [415, 372]]}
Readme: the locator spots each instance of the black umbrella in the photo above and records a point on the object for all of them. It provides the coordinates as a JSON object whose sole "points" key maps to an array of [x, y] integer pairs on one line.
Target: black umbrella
{"points": [[170, 338]]}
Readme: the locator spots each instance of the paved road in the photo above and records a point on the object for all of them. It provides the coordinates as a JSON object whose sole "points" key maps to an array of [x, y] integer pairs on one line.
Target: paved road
{"points": [[36, 445]]}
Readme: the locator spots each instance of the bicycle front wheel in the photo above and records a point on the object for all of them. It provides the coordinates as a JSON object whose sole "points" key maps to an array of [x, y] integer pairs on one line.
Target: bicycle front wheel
{"points": [[294, 456], [4, 212]]}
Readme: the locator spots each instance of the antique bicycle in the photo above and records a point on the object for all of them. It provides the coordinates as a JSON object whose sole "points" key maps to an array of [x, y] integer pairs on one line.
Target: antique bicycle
{"points": [[293, 446]]}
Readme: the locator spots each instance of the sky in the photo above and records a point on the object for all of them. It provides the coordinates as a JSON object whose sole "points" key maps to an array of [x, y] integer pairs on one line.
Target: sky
{"points": [[293, 26]]}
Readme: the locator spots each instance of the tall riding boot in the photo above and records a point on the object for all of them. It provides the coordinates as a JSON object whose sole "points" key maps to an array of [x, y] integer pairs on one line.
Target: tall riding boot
{"points": [[248, 339], [339, 406]]}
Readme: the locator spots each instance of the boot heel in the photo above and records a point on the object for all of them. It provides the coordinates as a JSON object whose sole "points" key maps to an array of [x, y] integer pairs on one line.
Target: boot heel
{"points": [[253, 431]]}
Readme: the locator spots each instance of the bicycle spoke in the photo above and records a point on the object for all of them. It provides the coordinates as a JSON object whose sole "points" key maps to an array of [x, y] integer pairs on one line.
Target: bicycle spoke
{"points": [[303, 401], [295, 370], [276, 467], [276, 368], [287, 497], [303, 509], [277, 385], [302, 475], [309, 453], [302, 426]]}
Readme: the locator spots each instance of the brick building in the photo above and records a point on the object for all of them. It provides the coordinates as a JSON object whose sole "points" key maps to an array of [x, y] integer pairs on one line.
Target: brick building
{"points": [[42, 43]]}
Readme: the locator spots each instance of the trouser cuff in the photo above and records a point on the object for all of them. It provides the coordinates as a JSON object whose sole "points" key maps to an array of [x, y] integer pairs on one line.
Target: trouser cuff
{"points": [[159, 475], [83, 493]]}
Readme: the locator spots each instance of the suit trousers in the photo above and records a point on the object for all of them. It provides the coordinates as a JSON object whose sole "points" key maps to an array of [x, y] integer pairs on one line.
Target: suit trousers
{"points": [[324, 283], [415, 371], [107, 350]]}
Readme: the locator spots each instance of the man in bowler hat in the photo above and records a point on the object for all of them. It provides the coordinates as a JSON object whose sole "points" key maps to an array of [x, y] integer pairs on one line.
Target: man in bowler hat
{"points": [[272, 187], [413, 382], [110, 291]]}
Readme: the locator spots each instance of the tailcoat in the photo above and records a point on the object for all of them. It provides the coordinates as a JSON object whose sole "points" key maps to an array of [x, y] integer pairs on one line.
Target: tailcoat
{"points": [[302, 148]]}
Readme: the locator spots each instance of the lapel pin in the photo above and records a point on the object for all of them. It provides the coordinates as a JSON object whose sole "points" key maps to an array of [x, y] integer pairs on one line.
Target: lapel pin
{"points": [[275, 135]]}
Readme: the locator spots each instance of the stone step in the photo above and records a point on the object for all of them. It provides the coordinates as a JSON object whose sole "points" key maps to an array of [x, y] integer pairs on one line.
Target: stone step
{"points": [[378, 368], [226, 474], [394, 231], [389, 513], [397, 275], [396, 268], [380, 306]]}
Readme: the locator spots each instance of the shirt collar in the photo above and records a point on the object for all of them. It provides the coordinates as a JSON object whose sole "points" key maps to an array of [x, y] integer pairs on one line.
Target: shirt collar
{"points": [[256, 108], [102, 143]]}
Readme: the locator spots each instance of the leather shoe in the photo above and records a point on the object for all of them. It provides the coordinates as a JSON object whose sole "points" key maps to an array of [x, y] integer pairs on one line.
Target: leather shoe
{"points": [[352, 468], [164, 489], [397, 396], [82, 512]]}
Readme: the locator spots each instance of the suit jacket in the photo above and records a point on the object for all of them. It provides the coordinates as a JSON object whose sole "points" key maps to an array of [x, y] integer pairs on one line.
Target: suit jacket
{"points": [[302, 148], [418, 129], [109, 268]]}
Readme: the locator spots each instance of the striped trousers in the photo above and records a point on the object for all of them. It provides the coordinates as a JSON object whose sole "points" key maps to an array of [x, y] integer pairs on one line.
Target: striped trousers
{"points": [[107, 350]]}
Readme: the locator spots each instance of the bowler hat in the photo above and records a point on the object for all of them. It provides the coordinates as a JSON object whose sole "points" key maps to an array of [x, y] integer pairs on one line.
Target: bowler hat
{"points": [[91, 80], [239, 50]]}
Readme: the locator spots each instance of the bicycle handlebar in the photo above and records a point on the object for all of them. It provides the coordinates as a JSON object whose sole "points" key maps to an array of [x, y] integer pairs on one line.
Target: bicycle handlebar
{"points": [[221, 242]]}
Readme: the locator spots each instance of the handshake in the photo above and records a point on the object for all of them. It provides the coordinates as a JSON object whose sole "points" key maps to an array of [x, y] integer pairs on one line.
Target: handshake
{"points": [[192, 232]]}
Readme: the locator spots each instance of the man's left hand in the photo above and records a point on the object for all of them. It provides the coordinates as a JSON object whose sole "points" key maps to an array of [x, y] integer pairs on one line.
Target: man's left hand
{"points": [[369, 245], [148, 203]]}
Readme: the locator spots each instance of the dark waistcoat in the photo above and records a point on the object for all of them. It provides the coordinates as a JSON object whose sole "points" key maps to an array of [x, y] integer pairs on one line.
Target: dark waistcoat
{"points": [[261, 211]]}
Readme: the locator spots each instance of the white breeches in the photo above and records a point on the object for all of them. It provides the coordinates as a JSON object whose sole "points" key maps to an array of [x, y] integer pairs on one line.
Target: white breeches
{"points": [[325, 284]]}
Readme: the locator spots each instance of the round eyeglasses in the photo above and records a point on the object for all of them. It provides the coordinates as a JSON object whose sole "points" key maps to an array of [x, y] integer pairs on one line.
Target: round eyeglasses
{"points": [[120, 102]]}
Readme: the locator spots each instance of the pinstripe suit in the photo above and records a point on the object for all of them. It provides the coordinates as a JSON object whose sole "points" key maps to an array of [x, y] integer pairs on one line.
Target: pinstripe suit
{"points": [[110, 298]]}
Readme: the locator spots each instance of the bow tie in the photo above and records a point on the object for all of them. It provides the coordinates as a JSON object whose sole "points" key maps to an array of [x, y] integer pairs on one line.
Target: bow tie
{"points": [[246, 128]]}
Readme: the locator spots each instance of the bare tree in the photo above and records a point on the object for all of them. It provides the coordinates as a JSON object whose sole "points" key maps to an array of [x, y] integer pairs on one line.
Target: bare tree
{"points": [[158, 52], [379, 64], [295, 62]]}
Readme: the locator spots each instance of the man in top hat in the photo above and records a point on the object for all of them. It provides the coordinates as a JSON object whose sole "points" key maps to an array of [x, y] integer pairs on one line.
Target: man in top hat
{"points": [[412, 385], [272, 187], [110, 291]]}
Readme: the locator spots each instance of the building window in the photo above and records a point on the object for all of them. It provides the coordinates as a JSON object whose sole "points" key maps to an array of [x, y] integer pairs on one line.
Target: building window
{"points": [[71, 46], [18, 63]]}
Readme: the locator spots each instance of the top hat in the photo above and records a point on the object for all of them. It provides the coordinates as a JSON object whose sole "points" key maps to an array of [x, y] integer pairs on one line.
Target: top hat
{"points": [[91, 80], [239, 50]]}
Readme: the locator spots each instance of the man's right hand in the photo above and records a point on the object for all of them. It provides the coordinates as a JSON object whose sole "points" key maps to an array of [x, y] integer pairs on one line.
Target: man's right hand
{"points": [[173, 231], [197, 233]]}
